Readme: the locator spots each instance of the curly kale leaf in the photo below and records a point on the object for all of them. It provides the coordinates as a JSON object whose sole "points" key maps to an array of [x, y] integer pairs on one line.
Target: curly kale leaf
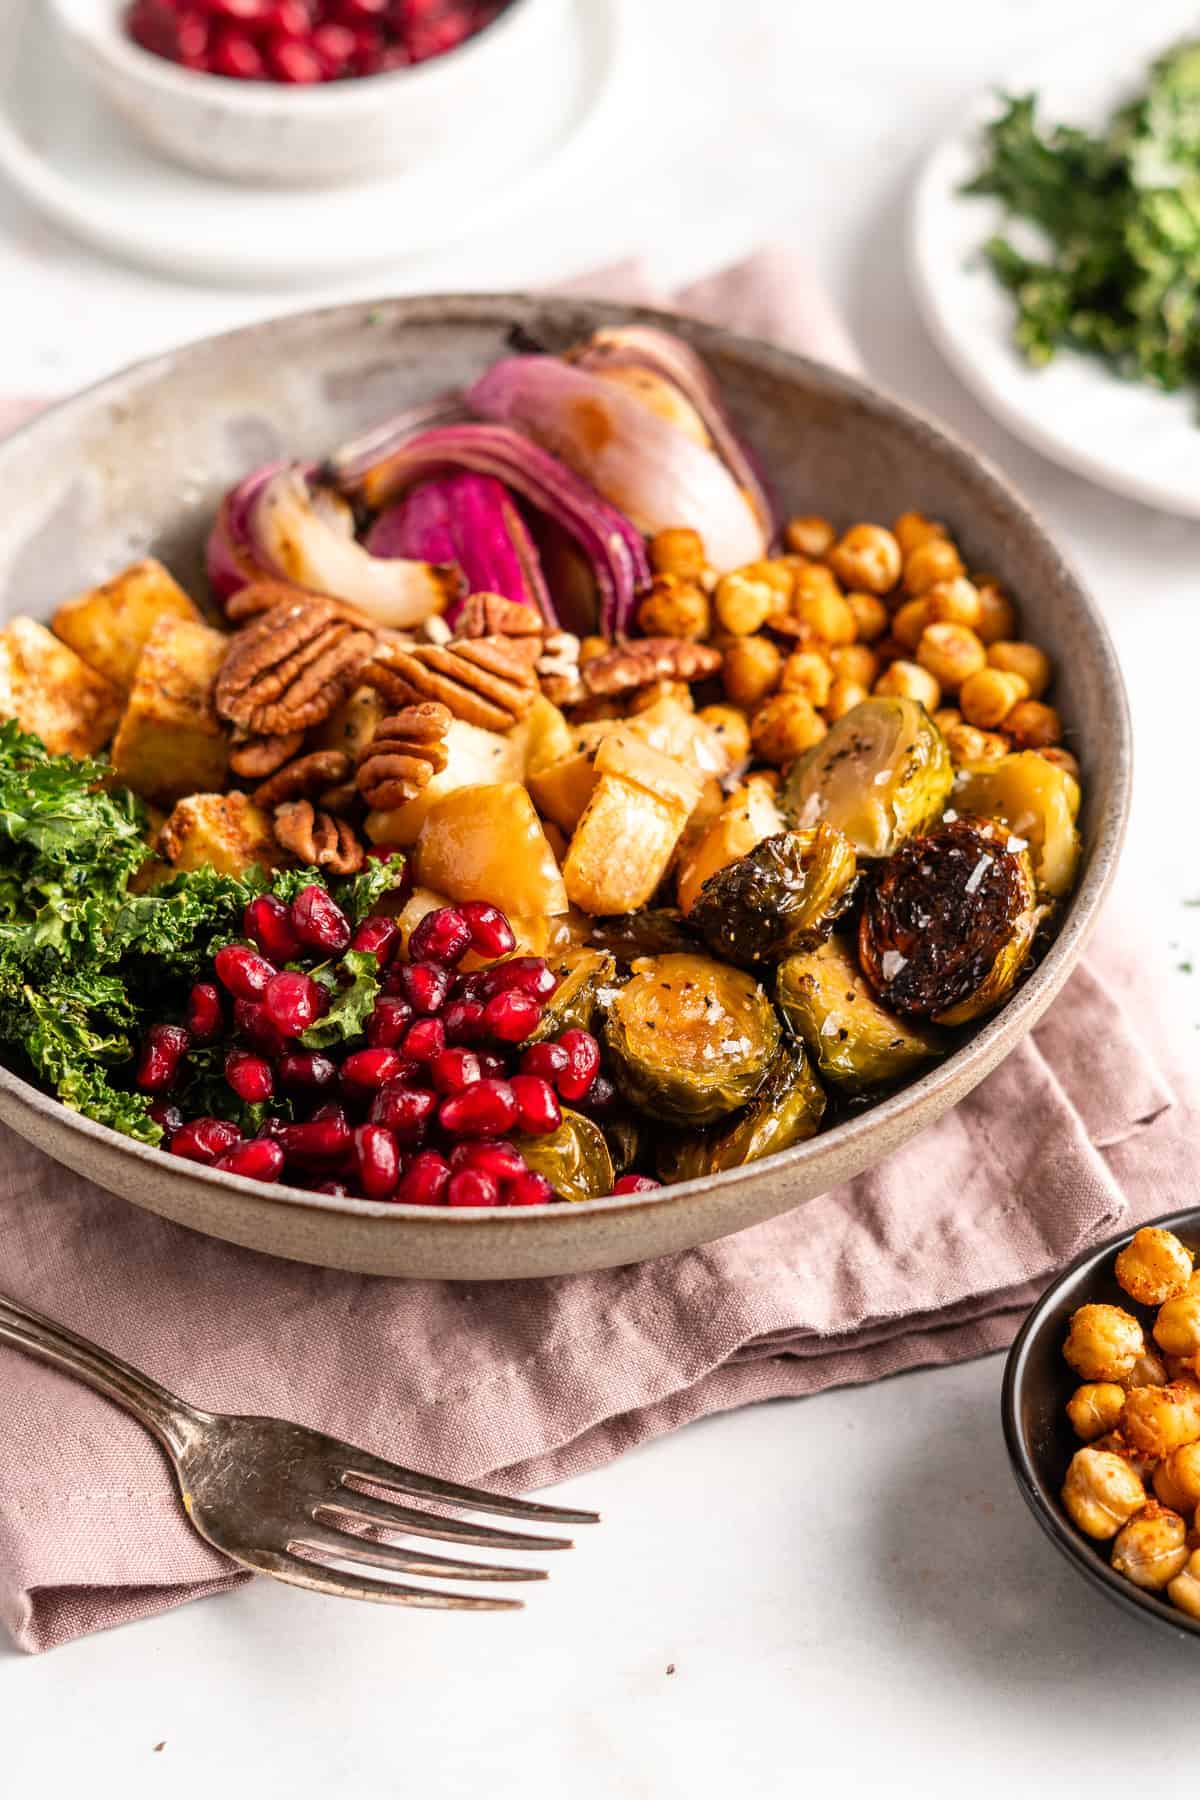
{"points": [[354, 984]]}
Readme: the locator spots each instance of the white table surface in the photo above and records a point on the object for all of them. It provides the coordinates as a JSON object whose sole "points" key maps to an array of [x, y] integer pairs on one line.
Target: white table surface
{"points": [[848, 1587]]}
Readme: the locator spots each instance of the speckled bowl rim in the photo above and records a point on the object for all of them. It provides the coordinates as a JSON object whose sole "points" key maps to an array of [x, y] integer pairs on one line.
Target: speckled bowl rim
{"points": [[962, 1070]]}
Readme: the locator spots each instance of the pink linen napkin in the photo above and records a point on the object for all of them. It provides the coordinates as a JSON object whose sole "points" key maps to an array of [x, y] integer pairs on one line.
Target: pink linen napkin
{"points": [[928, 1259]]}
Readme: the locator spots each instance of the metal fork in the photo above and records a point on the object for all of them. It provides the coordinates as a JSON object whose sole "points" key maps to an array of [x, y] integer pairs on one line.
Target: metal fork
{"points": [[280, 1499]]}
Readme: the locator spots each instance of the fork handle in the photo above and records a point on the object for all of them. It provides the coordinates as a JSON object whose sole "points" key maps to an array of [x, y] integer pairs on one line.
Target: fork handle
{"points": [[169, 1418]]}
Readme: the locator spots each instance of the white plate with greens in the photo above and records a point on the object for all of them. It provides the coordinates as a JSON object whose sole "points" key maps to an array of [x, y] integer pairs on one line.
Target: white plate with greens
{"points": [[1080, 410]]}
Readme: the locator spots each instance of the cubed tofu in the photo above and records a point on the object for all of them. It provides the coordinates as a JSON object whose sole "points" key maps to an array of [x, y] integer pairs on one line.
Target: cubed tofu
{"points": [[108, 626], [49, 690], [226, 831], [624, 842], [170, 741]]}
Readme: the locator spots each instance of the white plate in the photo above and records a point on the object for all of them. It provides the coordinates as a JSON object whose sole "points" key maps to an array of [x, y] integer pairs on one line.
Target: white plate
{"points": [[71, 157], [1134, 439]]}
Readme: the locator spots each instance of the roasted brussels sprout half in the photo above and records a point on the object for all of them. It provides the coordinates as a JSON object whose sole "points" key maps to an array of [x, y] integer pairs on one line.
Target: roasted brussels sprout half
{"points": [[786, 893], [628, 1137], [691, 1039], [655, 931], [881, 774], [786, 1110], [582, 976], [1038, 801], [574, 1159], [949, 922], [855, 1042]]}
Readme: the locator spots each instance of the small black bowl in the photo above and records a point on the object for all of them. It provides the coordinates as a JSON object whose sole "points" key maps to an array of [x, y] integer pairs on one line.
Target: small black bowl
{"points": [[1037, 1386]]}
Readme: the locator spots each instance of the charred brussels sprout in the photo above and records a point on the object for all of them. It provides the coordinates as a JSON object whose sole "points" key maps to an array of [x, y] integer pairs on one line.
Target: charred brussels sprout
{"points": [[691, 1039], [855, 1042], [655, 931], [629, 1140], [950, 922], [582, 976], [574, 1159], [1037, 801], [786, 1110], [880, 774], [784, 894]]}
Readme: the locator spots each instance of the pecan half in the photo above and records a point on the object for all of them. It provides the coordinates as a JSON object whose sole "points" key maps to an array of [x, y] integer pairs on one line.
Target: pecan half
{"points": [[318, 838], [260, 596], [304, 776], [491, 615], [642, 660], [489, 682], [258, 757], [291, 666], [408, 749]]}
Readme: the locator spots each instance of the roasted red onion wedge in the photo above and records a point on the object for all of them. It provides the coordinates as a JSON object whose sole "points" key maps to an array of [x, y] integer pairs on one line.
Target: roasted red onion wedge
{"points": [[473, 521]]}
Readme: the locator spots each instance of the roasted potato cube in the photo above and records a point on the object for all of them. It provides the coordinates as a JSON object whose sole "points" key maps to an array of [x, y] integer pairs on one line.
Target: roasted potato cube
{"points": [[352, 726], [108, 626], [474, 758], [487, 843], [170, 741], [226, 831], [626, 838], [49, 690]]}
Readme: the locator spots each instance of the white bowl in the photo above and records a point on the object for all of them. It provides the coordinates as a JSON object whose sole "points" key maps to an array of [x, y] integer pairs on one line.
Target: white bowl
{"points": [[338, 132]]}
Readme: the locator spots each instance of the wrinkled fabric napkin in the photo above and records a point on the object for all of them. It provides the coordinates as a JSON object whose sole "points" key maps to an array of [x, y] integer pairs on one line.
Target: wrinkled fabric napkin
{"points": [[930, 1258]]}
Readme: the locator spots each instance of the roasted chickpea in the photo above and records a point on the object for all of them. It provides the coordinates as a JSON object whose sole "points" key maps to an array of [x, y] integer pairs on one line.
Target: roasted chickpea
{"points": [[1177, 1479], [971, 748], [592, 647], [1095, 1408], [911, 682], [1177, 1327], [946, 716], [1139, 1461], [675, 607], [1103, 1343], [784, 727], [954, 603], [678, 551], [643, 698], [844, 696], [951, 653], [867, 557], [854, 662], [909, 623], [933, 561], [988, 696], [807, 672], [828, 617], [1101, 1492], [1157, 1420], [731, 726], [743, 603], [750, 670], [779, 572], [1062, 759], [1152, 1549], [1184, 1591], [913, 528], [1032, 725], [1025, 660], [1154, 1266], [870, 615], [809, 535], [997, 614]]}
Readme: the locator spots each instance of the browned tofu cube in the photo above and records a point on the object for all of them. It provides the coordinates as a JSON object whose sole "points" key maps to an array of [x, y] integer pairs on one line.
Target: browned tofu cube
{"points": [[170, 741], [109, 625], [226, 831], [49, 690]]}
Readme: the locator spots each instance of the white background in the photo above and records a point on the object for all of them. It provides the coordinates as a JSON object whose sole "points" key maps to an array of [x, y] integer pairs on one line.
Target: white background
{"points": [[849, 1588]]}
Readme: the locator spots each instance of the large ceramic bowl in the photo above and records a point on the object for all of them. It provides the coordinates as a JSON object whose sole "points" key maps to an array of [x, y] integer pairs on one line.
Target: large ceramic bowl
{"points": [[138, 463]]}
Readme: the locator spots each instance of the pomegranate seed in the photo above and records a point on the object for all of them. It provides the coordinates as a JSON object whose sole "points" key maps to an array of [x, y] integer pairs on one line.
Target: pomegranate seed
{"points": [[377, 1160], [317, 1142], [378, 935], [491, 1065], [600, 1101], [424, 1182], [288, 18], [405, 1110], [204, 1140], [294, 61], [251, 1020], [529, 1189], [259, 1160], [368, 48], [360, 12], [369, 1069], [512, 1016], [240, 12], [494, 1156], [237, 57], [166, 1115], [425, 985], [268, 921], [389, 1022], [243, 971], [250, 1076], [163, 1049], [293, 1001], [454, 1070], [546, 1060], [192, 40], [338, 1189], [329, 1109], [471, 1187], [583, 1063], [442, 936], [486, 1109], [319, 922], [424, 1040], [635, 1184], [530, 974], [491, 933], [205, 1017], [462, 1021], [471, 989], [307, 1070], [333, 45], [538, 1110]]}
